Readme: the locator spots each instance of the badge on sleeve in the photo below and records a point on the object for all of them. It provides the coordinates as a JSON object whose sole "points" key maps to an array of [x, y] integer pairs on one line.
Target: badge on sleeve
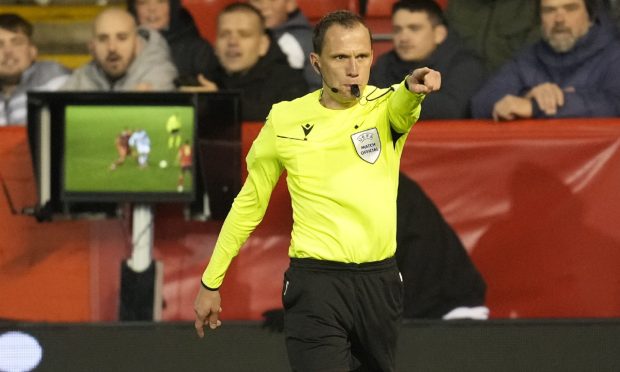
{"points": [[367, 144]]}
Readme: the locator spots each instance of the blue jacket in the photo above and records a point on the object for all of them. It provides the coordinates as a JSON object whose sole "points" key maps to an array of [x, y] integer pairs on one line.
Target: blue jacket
{"points": [[589, 74]]}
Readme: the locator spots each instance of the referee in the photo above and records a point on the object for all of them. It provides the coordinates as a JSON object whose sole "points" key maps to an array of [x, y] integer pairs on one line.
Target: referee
{"points": [[340, 147]]}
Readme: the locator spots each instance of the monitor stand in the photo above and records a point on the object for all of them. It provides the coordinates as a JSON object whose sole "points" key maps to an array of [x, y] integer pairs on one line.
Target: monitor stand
{"points": [[141, 276]]}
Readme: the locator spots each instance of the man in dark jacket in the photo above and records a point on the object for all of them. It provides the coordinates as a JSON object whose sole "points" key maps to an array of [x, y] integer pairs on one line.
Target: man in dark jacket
{"points": [[190, 53], [574, 71], [421, 38], [251, 63]]}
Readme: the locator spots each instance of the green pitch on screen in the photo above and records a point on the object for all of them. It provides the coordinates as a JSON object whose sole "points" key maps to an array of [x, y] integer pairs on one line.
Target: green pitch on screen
{"points": [[90, 148]]}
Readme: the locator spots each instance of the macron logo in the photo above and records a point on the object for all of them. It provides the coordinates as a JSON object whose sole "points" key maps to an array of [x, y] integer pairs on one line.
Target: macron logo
{"points": [[307, 129]]}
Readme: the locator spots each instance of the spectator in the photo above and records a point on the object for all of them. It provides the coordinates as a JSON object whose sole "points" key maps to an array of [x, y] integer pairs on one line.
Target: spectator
{"points": [[19, 70], [495, 29], [191, 53], [125, 57], [574, 71], [293, 33], [251, 63], [421, 38]]}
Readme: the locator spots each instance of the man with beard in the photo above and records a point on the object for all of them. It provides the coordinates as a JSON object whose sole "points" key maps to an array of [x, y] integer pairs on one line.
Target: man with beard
{"points": [[574, 71], [19, 72], [125, 57]]}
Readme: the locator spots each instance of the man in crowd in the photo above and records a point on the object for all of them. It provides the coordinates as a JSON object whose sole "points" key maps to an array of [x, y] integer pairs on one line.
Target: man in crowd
{"points": [[574, 71], [19, 70], [250, 62], [190, 53], [421, 38], [293, 33], [125, 57]]}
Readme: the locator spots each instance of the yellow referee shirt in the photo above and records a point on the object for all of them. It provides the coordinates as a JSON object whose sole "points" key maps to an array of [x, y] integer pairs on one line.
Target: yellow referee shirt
{"points": [[342, 173]]}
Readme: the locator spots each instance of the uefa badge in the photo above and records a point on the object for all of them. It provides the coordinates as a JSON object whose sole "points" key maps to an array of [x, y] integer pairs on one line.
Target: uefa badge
{"points": [[367, 144]]}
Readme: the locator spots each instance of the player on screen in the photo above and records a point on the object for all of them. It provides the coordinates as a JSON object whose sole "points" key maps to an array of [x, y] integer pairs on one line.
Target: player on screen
{"points": [[122, 148], [185, 159], [142, 143], [173, 127]]}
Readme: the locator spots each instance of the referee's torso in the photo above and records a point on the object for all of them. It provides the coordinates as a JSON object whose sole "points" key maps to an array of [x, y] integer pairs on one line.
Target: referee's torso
{"points": [[342, 174]]}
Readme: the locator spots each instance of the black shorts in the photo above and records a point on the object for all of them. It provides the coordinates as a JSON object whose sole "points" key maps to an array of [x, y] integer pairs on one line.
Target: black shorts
{"points": [[340, 317]]}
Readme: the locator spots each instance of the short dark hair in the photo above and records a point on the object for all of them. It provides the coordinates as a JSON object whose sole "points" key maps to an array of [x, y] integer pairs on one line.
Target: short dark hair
{"points": [[15, 23], [244, 7], [343, 18], [430, 7]]}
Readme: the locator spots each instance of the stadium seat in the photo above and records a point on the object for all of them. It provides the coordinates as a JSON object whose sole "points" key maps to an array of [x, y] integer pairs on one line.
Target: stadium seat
{"points": [[379, 17], [379, 8], [442, 3], [315, 9], [205, 14]]}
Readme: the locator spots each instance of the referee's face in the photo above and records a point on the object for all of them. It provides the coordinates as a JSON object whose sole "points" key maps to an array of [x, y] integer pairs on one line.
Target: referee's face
{"points": [[345, 60]]}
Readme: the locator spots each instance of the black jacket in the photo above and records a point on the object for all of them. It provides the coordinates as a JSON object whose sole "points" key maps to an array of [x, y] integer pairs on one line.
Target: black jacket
{"points": [[270, 81], [437, 272], [462, 73], [191, 53]]}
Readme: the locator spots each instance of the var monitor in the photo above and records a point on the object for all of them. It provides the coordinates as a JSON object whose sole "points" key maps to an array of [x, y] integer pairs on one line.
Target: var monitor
{"points": [[92, 151]]}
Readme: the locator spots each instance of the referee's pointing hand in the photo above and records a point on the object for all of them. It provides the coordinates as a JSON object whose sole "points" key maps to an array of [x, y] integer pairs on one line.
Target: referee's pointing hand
{"points": [[424, 80]]}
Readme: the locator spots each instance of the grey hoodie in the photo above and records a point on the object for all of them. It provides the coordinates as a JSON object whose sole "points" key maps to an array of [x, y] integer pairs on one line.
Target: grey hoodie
{"points": [[295, 39], [152, 65]]}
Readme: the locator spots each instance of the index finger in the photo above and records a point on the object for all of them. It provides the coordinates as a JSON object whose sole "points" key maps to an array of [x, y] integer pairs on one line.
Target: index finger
{"points": [[199, 325]]}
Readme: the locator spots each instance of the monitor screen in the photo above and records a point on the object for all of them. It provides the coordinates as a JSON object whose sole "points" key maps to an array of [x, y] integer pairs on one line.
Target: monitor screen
{"points": [[135, 153], [93, 150]]}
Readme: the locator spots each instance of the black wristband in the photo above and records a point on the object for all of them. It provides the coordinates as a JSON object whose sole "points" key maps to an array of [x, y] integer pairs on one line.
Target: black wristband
{"points": [[207, 287]]}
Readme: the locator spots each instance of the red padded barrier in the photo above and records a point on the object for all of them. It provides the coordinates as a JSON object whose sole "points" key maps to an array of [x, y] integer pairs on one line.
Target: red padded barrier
{"points": [[535, 202], [537, 205], [499, 185]]}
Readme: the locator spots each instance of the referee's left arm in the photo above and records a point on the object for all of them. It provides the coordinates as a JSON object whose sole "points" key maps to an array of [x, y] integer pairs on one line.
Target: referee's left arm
{"points": [[405, 102]]}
